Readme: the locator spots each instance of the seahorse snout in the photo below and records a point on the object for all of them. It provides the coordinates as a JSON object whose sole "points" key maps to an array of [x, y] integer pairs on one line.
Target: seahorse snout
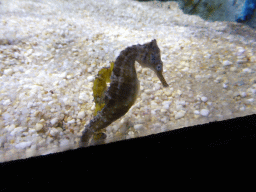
{"points": [[161, 78]]}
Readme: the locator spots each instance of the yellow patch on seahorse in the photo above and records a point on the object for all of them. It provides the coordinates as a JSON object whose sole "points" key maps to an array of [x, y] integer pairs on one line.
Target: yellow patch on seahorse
{"points": [[100, 86]]}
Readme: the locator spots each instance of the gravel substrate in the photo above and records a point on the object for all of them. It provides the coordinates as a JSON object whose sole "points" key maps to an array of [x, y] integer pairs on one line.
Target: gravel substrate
{"points": [[50, 52]]}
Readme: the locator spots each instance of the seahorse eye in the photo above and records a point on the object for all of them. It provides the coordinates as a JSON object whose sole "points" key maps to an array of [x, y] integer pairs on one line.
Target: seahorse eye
{"points": [[158, 67]]}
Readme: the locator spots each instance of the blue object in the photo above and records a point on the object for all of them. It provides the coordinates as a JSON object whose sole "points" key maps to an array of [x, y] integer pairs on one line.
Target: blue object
{"points": [[247, 11]]}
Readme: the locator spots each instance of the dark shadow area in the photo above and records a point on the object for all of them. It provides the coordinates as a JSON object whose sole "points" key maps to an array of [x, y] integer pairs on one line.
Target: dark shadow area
{"points": [[221, 149]]}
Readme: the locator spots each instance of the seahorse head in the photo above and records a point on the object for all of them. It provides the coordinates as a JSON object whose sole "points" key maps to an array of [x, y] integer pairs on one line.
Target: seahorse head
{"points": [[149, 55]]}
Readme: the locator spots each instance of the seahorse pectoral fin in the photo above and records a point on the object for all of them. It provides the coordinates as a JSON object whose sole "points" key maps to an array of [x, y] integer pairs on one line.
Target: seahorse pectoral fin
{"points": [[161, 78]]}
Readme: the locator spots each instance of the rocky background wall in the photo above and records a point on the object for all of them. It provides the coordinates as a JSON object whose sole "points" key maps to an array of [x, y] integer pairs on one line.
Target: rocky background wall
{"points": [[241, 11]]}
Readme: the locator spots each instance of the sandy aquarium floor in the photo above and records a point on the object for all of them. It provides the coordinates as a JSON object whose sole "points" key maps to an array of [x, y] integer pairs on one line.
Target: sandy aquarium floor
{"points": [[50, 52]]}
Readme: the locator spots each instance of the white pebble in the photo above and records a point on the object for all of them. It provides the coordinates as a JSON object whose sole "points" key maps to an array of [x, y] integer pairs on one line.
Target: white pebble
{"points": [[250, 100], [65, 100], [241, 50], [225, 85], [130, 133], [54, 132], [71, 121], [243, 94], [226, 63], [30, 104], [204, 99], [179, 92], [54, 121], [31, 130], [90, 78], [157, 86], [138, 126], [242, 108], [185, 69], [17, 131], [253, 91], [168, 92], [204, 112], [183, 103], [81, 115], [166, 106], [153, 103], [247, 70], [208, 76], [47, 99], [8, 71], [166, 102], [198, 76], [38, 127], [64, 142], [28, 52], [10, 127], [6, 102], [83, 96], [63, 75], [148, 91], [196, 112], [90, 69], [208, 56], [23, 145], [179, 107], [218, 79], [51, 102], [69, 76], [180, 114]]}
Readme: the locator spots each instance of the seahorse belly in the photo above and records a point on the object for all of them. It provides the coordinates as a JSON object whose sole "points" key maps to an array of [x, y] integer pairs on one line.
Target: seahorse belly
{"points": [[118, 102]]}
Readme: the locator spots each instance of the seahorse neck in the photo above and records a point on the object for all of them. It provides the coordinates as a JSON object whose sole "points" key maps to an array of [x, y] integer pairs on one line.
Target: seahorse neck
{"points": [[125, 63]]}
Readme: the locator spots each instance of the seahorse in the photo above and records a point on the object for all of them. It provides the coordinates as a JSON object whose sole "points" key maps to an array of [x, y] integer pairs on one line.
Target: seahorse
{"points": [[124, 86]]}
